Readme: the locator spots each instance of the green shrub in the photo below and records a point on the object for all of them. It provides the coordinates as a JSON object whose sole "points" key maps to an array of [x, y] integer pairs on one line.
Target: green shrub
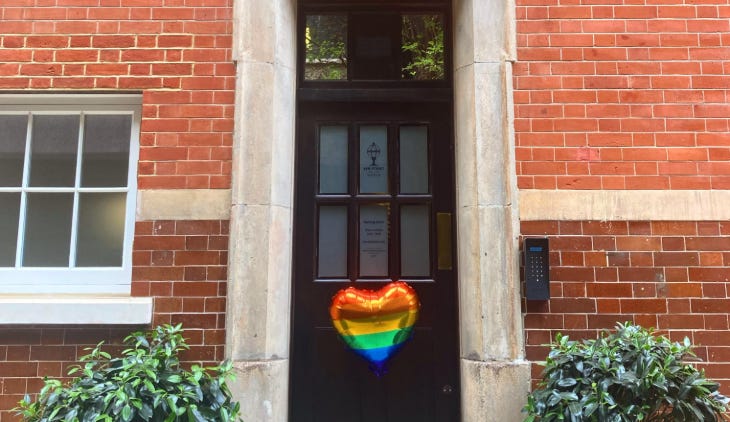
{"points": [[146, 383], [630, 375]]}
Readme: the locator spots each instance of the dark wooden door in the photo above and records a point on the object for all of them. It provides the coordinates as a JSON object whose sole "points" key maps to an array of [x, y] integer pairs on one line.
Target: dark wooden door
{"points": [[374, 204]]}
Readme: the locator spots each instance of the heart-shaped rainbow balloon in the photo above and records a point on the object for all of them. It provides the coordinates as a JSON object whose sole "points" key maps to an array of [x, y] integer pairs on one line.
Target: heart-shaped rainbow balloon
{"points": [[375, 324]]}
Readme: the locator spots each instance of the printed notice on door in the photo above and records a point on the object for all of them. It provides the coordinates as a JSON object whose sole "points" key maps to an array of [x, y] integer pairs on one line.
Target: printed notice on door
{"points": [[373, 241], [373, 159]]}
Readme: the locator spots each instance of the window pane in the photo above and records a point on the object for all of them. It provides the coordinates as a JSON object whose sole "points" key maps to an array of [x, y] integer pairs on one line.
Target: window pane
{"points": [[332, 248], [100, 237], [374, 159], [422, 42], [325, 41], [9, 214], [105, 160], [415, 241], [12, 149], [376, 46], [53, 150], [413, 159], [374, 230], [48, 229], [333, 159]]}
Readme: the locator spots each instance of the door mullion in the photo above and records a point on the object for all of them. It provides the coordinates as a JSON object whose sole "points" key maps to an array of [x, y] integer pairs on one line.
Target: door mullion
{"points": [[353, 214], [394, 170]]}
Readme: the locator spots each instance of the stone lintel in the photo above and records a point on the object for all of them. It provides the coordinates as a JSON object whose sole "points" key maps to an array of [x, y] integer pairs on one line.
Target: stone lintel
{"points": [[183, 204], [625, 205]]}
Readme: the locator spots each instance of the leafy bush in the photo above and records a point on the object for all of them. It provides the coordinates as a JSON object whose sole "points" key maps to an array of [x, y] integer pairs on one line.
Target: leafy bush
{"points": [[630, 375], [145, 384]]}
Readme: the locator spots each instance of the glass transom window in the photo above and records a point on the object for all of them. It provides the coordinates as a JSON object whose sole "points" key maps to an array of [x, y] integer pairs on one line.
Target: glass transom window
{"points": [[67, 192], [374, 46]]}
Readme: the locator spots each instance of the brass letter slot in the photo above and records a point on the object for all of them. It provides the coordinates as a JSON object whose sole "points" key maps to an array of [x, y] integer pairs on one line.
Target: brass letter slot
{"points": [[443, 237]]}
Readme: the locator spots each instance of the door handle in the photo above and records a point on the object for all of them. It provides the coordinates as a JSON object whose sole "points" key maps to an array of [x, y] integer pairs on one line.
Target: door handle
{"points": [[444, 242]]}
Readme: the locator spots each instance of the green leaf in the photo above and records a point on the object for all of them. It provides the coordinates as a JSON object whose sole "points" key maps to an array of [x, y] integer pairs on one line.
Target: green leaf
{"points": [[127, 413], [175, 379]]}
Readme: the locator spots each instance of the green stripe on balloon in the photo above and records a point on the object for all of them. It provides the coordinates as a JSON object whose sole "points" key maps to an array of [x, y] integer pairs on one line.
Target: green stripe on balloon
{"points": [[378, 340]]}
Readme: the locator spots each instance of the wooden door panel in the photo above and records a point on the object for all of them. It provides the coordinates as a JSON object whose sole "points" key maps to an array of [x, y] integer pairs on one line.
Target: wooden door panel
{"points": [[329, 382]]}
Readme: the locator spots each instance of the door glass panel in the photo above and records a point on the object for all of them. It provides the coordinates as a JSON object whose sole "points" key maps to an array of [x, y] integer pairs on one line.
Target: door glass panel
{"points": [[53, 150], [374, 159], [374, 230], [12, 149], [9, 214], [325, 39], [413, 159], [105, 159], [333, 159], [48, 230], [415, 241], [332, 247], [100, 229], [422, 45]]}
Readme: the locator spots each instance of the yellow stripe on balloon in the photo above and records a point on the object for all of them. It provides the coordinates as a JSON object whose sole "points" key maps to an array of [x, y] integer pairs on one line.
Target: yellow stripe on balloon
{"points": [[376, 324]]}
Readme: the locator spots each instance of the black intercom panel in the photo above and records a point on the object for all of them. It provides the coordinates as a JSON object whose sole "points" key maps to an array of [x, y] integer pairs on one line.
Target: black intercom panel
{"points": [[537, 269]]}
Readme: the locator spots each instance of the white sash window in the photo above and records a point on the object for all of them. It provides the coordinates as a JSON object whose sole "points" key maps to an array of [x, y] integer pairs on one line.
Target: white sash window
{"points": [[68, 184]]}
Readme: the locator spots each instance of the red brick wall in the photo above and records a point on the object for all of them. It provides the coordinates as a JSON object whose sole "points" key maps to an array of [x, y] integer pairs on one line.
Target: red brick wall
{"points": [[29, 353], [178, 52], [623, 94], [182, 264], [670, 275]]}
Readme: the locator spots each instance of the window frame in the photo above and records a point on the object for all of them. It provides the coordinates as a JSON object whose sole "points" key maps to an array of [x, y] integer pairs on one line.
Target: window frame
{"points": [[348, 89], [74, 280]]}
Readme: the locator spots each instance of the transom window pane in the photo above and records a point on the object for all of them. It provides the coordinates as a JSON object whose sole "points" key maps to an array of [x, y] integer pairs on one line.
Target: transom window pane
{"points": [[422, 42], [325, 40]]}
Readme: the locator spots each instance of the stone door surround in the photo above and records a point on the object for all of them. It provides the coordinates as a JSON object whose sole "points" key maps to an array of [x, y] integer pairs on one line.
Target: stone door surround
{"points": [[494, 375]]}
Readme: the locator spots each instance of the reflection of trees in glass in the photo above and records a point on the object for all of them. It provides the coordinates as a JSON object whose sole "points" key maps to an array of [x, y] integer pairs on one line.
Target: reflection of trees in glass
{"points": [[423, 45], [326, 52]]}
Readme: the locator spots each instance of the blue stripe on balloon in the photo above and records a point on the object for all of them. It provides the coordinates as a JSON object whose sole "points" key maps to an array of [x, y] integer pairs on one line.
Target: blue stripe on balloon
{"points": [[378, 354]]}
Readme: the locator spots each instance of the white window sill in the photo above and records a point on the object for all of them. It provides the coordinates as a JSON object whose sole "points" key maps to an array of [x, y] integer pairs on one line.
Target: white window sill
{"points": [[75, 310]]}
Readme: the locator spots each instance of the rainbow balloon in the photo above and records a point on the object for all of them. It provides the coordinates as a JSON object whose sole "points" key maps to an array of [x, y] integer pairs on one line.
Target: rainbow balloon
{"points": [[375, 324]]}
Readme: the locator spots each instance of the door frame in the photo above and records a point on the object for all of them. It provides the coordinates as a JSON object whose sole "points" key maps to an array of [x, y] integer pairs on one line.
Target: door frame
{"points": [[494, 373]]}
